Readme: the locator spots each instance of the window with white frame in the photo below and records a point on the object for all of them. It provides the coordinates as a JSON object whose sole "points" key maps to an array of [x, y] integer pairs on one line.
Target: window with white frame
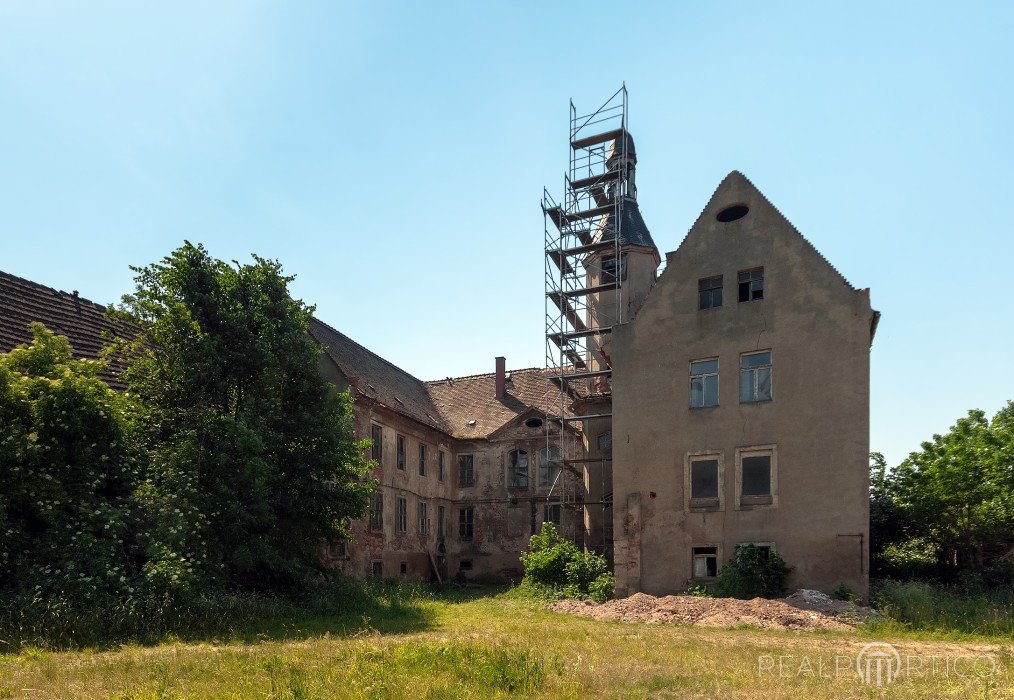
{"points": [[705, 562], [704, 383], [401, 515], [549, 470], [755, 377], [705, 480], [757, 470]]}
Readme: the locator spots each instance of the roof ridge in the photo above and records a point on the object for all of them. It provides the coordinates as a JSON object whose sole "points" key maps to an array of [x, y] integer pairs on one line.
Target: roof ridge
{"points": [[69, 295], [363, 347], [484, 374]]}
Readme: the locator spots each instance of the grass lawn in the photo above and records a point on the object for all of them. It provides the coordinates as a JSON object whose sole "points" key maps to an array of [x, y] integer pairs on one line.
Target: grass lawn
{"points": [[479, 644]]}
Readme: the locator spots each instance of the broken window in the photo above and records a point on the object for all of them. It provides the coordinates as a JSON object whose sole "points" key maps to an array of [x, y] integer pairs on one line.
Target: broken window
{"points": [[756, 477], [466, 470], [424, 518], [377, 450], [751, 284], [377, 512], [755, 377], [401, 519], [401, 452], [551, 513], [705, 562], [517, 470], [440, 465], [548, 471], [709, 292], [609, 268], [704, 491], [703, 383], [422, 459], [466, 523]]}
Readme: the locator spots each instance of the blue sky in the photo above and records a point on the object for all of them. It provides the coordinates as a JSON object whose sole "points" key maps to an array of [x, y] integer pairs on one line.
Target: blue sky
{"points": [[392, 156]]}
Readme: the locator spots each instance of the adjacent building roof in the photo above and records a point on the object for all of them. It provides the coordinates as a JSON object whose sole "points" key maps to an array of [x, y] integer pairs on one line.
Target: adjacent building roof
{"points": [[83, 322], [471, 410]]}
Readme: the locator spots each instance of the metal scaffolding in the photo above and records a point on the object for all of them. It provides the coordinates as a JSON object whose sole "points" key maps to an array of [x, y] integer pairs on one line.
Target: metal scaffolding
{"points": [[583, 279]]}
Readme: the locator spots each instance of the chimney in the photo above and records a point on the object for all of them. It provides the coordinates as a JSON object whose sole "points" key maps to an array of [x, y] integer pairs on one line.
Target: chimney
{"points": [[501, 378]]}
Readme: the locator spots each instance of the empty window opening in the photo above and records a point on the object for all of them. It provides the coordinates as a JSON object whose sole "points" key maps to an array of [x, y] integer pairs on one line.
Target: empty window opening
{"points": [[517, 470], [733, 213], [533, 423], [549, 468], [751, 284], [401, 519], [377, 449], [404, 567], [552, 513], [609, 268], [704, 482], [401, 452], [755, 377], [703, 383], [465, 565], [378, 569], [377, 512], [705, 562], [466, 470], [466, 523], [709, 292]]}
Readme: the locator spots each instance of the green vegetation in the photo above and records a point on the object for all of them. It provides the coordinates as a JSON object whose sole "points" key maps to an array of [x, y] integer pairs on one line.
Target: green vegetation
{"points": [[752, 572], [555, 567], [482, 644], [947, 610]]}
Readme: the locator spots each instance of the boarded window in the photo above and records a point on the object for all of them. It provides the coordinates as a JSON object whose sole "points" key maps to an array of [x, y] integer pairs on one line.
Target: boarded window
{"points": [[709, 292], [466, 523], [377, 512], [517, 470], [751, 284], [401, 519], [704, 482], [703, 383], [401, 452], [755, 377], [377, 450], [466, 470], [757, 475], [705, 562], [549, 469]]}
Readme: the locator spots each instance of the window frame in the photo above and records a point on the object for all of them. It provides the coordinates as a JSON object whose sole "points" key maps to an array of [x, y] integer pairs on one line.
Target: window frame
{"points": [[754, 377], [606, 277], [694, 554], [556, 508], [401, 515], [466, 522], [377, 511], [471, 470], [513, 470], [377, 437], [423, 517], [422, 458], [751, 289], [703, 504], [755, 502], [704, 377], [551, 472], [441, 461], [607, 439], [401, 450], [710, 292]]}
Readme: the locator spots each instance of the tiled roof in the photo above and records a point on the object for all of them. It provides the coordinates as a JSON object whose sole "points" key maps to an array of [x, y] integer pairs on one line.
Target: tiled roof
{"points": [[464, 399], [376, 378], [633, 230], [83, 322]]}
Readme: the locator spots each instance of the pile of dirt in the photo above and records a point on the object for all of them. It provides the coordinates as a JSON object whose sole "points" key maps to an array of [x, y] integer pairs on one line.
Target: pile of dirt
{"points": [[803, 610]]}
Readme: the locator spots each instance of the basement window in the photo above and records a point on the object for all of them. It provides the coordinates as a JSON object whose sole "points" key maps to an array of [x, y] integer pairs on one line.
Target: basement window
{"points": [[709, 292], [517, 470], [404, 567], [705, 562], [465, 565], [751, 284], [378, 569], [733, 213]]}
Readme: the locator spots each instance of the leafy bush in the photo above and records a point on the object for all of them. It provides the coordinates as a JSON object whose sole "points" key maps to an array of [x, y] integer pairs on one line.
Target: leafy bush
{"points": [[752, 573], [555, 566], [698, 590]]}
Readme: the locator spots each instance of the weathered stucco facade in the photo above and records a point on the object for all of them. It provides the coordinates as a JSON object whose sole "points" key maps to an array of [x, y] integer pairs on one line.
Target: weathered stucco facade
{"points": [[807, 425]]}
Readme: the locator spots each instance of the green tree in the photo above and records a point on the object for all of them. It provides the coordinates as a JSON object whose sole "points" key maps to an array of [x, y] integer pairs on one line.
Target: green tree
{"points": [[959, 489], [67, 476], [252, 461]]}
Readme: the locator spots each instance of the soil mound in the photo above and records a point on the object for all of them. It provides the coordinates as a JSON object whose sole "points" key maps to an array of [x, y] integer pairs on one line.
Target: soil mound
{"points": [[803, 610]]}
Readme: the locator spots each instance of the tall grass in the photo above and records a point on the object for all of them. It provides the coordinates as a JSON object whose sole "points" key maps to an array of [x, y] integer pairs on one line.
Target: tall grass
{"points": [[340, 605], [933, 607]]}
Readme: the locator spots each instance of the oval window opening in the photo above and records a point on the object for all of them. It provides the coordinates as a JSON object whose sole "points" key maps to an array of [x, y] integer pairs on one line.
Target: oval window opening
{"points": [[534, 423], [736, 211]]}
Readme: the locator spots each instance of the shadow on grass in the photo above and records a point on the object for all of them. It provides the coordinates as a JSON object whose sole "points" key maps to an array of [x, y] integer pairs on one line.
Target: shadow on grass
{"points": [[341, 607]]}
